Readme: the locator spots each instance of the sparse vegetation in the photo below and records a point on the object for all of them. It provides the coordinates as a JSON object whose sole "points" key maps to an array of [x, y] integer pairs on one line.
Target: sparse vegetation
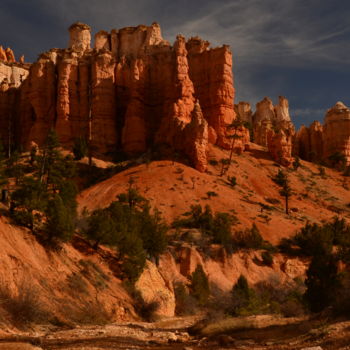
{"points": [[24, 307]]}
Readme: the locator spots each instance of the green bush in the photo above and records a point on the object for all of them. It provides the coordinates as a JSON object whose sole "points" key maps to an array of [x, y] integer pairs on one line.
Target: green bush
{"points": [[245, 301], [232, 181], [129, 225], [217, 227], [248, 239], [200, 285], [267, 258]]}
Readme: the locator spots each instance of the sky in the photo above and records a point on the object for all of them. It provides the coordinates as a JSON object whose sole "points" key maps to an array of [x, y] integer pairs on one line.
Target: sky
{"points": [[296, 48]]}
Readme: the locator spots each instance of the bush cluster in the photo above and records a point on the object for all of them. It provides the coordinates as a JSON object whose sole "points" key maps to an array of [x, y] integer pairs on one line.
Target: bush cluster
{"points": [[129, 225], [326, 245]]}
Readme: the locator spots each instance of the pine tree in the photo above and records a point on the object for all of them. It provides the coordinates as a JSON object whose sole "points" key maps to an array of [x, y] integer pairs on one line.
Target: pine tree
{"points": [[286, 192], [153, 233], [282, 180], [30, 197], [80, 148], [244, 299], [101, 228], [200, 285], [322, 282], [60, 221], [133, 256]]}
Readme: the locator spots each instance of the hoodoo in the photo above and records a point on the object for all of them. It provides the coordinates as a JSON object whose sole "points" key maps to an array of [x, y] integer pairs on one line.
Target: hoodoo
{"points": [[129, 93]]}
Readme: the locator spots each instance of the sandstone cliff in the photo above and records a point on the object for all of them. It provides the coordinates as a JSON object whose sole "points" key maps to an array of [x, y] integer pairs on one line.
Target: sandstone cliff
{"points": [[272, 127], [319, 142], [132, 92], [336, 131], [12, 75]]}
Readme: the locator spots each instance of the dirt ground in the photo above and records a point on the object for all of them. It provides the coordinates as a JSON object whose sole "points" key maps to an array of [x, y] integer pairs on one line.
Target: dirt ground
{"points": [[173, 334]]}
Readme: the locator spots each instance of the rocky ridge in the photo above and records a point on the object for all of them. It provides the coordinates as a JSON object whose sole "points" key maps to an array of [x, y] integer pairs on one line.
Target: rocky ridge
{"points": [[272, 128], [129, 93]]}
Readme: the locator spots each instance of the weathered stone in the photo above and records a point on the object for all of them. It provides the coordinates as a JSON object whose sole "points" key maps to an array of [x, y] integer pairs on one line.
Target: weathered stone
{"points": [[244, 112], [153, 288], [272, 128], [80, 37], [131, 92], [336, 132]]}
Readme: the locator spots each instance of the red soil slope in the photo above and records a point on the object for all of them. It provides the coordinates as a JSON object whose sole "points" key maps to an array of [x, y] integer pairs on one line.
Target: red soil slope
{"points": [[174, 187]]}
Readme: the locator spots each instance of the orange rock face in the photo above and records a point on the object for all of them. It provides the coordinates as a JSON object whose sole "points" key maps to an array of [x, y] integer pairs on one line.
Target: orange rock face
{"points": [[244, 112], [319, 142], [309, 142], [272, 128], [280, 146], [132, 92], [211, 73], [336, 131], [12, 74]]}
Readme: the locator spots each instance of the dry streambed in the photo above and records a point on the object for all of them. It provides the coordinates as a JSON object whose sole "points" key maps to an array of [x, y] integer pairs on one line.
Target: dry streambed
{"points": [[258, 333]]}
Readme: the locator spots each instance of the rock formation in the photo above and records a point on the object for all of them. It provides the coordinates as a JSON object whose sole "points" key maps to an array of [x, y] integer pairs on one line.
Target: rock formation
{"points": [[244, 112], [211, 73], [272, 127], [309, 142], [131, 92], [318, 142], [280, 146], [12, 74], [336, 132]]}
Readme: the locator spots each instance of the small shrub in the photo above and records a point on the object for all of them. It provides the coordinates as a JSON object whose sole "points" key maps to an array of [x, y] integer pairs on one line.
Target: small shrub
{"points": [[248, 239], [211, 194], [321, 171], [213, 162], [23, 307], [267, 258], [296, 163], [225, 161], [77, 283], [186, 304], [232, 181]]}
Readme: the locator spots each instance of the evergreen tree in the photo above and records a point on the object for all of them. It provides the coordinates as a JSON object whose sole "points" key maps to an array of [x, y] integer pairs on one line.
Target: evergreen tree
{"points": [[200, 285], [3, 172], [101, 228], [30, 197], [48, 194], [80, 148], [14, 168], [244, 299], [282, 180], [153, 233], [322, 282], [286, 192], [133, 256], [60, 221]]}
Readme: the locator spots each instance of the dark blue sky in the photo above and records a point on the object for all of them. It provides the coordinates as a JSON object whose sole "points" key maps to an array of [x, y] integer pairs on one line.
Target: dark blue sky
{"points": [[296, 48]]}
